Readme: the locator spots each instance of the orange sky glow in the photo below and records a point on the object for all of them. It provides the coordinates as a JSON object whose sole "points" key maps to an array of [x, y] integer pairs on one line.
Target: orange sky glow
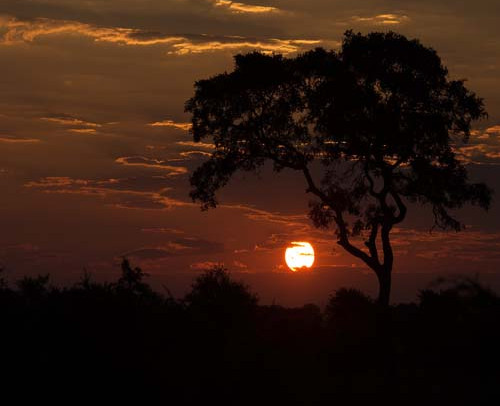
{"points": [[95, 152]]}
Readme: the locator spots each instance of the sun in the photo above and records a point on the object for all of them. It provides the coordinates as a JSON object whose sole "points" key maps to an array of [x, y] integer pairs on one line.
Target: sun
{"points": [[299, 254]]}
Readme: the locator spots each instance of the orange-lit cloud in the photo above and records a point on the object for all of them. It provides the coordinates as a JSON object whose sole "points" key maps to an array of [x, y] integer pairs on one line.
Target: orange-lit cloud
{"points": [[482, 148], [83, 130], [383, 19], [205, 265], [196, 144], [65, 181], [161, 230], [16, 31], [115, 192], [151, 163], [171, 124], [178, 246], [12, 140], [239, 264], [191, 154], [70, 121], [493, 130], [471, 245], [232, 44], [242, 8], [298, 221]]}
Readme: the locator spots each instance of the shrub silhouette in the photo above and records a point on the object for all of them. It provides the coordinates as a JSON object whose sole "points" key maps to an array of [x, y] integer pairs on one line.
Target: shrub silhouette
{"points": [[34, 288], [347, 304], [218, 344], [214, 297], [131, 280]]}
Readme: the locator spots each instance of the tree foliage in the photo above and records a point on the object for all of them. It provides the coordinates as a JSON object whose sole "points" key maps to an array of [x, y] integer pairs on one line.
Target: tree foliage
{"points": [[215, 292], [380, 116]]}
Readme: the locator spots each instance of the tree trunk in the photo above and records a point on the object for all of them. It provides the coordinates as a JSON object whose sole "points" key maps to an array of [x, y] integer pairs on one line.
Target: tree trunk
{"points": [[384, 292]]}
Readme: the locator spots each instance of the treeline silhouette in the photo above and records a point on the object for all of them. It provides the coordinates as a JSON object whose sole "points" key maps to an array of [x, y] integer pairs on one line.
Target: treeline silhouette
{"points": [[217, 345]]}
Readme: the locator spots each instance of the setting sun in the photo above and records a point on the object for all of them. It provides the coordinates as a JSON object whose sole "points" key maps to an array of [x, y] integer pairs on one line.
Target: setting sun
{"points": [[299, 255]]}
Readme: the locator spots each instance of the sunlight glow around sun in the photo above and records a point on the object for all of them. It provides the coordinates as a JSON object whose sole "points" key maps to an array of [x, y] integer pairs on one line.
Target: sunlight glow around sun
{"points": [[299, 255]]}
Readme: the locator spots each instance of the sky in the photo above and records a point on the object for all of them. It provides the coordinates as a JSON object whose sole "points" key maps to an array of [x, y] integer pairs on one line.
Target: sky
{"points": [[95, 151]]}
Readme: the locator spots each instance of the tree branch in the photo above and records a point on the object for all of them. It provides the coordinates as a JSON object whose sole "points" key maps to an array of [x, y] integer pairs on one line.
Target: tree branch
{"points": [[312, 188], [372, 242], [387, 247], [401, 208], [370, 260], [370, 181], [350, 248]]}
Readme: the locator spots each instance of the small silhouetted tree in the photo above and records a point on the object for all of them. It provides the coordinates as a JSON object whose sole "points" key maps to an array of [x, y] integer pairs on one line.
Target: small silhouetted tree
{"points": [[131, 280], [216, 296], [379, 117]]}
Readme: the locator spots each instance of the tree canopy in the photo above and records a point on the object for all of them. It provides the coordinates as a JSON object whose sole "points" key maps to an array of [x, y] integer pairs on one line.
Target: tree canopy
{"points": [[380, 116]]}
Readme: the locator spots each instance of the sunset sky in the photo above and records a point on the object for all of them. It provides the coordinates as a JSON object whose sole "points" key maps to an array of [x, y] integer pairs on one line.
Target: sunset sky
{"points": [[95, 153]]}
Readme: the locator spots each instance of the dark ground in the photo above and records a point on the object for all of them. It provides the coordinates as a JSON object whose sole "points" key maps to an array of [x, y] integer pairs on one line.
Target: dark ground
{"points": [[121, 341]]}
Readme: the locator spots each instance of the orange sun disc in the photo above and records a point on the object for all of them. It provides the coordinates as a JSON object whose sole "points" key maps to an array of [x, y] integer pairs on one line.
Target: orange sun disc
{"points": [[299, 255]]}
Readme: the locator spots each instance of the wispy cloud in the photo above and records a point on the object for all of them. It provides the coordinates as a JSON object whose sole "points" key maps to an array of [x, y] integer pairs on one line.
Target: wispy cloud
{"points": [[196, 144], [296, 222], [16, 31], [115, 192], [178, 246], [12, 140], [383, 19], [272, 45], [83, 130], [70, 121], [205, 265], [171, 124], [151, 163], [239, 264], [161, 230], [471, 245], [194, 154], [483, 147], [19, 31], [243, 8]]}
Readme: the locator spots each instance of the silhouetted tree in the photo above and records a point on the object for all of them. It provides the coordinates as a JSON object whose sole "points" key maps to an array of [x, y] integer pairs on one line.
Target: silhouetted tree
{"points": [[380, 116], [131, 279], [214, 292], [351, 312], [458, 298], [347, 304]]}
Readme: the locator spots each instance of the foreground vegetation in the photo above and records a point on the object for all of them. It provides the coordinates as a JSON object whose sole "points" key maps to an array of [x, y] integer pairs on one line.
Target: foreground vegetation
{"points": [[219, 346]]}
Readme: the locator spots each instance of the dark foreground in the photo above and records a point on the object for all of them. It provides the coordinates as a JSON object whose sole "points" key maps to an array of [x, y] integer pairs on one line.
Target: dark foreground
{"points": [[122, 341]]}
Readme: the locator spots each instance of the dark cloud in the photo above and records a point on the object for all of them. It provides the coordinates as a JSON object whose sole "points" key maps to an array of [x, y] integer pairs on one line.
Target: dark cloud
{"points": [[149, 253], [121, 193], [190, 246]]}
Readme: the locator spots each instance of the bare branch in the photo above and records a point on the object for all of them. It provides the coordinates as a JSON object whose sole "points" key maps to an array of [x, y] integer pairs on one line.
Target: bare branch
{"points": [[350, 248], [371, 182], [312, 188], [343, 241], [387, 247], [372, 242], [401, 208]]}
